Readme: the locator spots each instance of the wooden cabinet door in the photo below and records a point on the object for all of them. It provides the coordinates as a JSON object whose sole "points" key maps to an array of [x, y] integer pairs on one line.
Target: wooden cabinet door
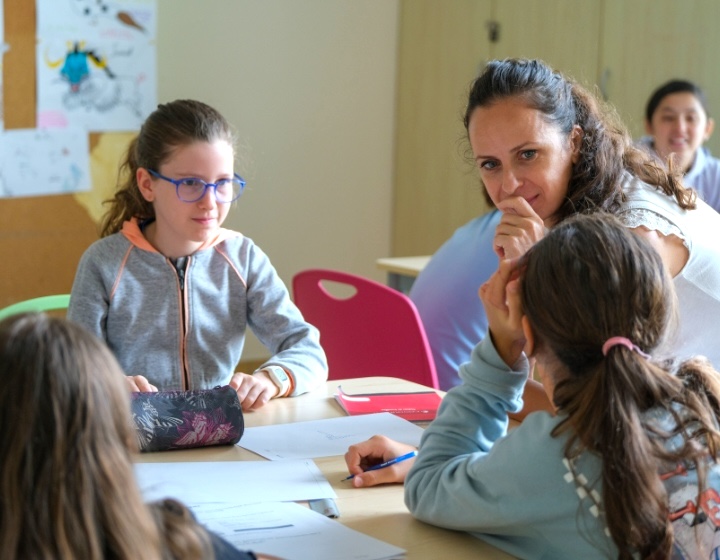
{"points": [[648, 42], [563, 33], [441, 46]]}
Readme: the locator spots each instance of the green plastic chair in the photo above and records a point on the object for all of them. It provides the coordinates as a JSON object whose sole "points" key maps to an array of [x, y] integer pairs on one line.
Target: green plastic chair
{"points": [[44, 303]]}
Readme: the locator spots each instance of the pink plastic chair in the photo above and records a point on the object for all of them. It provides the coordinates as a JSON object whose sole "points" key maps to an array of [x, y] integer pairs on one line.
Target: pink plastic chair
{"points": [[375, 331]]}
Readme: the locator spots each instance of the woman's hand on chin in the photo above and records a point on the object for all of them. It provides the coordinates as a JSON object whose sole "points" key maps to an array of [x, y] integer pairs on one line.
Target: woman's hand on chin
{"points": [[519, 228]]}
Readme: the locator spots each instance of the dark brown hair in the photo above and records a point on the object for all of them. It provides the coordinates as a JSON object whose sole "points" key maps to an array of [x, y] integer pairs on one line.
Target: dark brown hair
{"points": [[67, 481], [588, 280], [171, 125], [671, 87], [606, 150]]}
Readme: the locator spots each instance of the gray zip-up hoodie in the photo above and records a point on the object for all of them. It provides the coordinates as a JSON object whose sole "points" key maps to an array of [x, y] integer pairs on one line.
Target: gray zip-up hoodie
{"points": [[190, 335]]}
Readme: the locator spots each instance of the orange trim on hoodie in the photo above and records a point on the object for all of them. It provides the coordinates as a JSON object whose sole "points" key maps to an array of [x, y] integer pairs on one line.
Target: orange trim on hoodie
{"points": [[120, 272]]}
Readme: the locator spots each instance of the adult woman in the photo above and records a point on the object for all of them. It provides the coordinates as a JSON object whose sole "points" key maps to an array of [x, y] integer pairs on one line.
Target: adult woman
{"points": [[678, 123], [67, 483], [547, 149]]}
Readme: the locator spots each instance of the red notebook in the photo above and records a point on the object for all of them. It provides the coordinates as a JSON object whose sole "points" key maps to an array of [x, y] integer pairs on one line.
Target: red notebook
{"points": [[415, 407]]}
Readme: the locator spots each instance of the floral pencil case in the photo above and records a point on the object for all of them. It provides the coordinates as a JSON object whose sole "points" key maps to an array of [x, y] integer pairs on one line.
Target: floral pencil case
{"points": [[185, 419]]}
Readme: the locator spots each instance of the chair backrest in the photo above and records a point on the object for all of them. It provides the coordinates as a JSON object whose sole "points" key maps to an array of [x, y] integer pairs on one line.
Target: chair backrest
{"points": [[44, 303], [376, 331]]}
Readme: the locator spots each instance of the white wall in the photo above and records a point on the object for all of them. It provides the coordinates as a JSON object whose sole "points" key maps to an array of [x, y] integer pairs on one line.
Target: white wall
{"points": [[310, 87]]}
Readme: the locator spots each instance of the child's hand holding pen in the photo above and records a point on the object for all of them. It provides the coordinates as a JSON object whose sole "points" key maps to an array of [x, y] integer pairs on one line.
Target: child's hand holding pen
{"points": [[370, 454]]}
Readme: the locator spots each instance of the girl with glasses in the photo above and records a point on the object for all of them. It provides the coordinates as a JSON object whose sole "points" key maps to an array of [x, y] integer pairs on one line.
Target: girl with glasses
{"points": [[170, 290]]}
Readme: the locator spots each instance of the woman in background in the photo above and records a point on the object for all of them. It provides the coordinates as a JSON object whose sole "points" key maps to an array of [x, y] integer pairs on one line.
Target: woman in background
{"points": [[678, 123], [66, 479]]}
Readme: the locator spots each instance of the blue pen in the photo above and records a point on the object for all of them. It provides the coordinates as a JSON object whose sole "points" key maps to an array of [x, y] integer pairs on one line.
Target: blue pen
{"points": [[387, 463]]}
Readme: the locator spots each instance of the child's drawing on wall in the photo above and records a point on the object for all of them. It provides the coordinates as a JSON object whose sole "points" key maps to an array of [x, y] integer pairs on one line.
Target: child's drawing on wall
{"points": [[95, 63]]}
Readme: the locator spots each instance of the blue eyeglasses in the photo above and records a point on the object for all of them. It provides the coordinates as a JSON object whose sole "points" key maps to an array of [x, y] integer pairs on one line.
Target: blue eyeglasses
{"points": [[190, 189]]}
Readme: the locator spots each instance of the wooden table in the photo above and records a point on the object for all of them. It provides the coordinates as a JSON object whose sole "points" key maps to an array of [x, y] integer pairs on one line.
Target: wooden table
{"points": [[402, 271], [379, 511]]}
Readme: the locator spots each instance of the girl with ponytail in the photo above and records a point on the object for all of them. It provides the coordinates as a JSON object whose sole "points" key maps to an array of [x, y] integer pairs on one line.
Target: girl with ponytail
{"points": [[626, 467]]}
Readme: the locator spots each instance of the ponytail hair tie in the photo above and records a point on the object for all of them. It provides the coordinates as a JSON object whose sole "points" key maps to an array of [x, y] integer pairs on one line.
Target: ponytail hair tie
{"points": [[622, 341]]}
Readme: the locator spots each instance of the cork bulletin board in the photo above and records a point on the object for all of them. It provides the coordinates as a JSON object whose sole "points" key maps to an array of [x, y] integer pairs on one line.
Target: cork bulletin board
{"points": [[43, 237]]}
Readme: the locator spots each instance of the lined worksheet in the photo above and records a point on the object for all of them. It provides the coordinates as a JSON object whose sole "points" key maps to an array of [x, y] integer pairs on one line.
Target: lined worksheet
{"points": [[293, 532]]}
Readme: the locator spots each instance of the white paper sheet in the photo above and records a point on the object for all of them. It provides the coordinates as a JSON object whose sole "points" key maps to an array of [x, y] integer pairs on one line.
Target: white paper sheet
{"points": [[293, 532], [323, 438], [43, 162], [233, 482]]}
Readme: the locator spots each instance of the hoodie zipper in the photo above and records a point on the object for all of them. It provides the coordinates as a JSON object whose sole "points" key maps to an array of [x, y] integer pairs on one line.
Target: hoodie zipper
{"points": [[181, 265]]}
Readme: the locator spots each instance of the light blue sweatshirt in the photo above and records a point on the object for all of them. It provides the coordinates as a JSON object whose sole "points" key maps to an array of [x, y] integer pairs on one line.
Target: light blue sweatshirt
{"points": [[516, 490], [188, 332], [446, 295]]}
